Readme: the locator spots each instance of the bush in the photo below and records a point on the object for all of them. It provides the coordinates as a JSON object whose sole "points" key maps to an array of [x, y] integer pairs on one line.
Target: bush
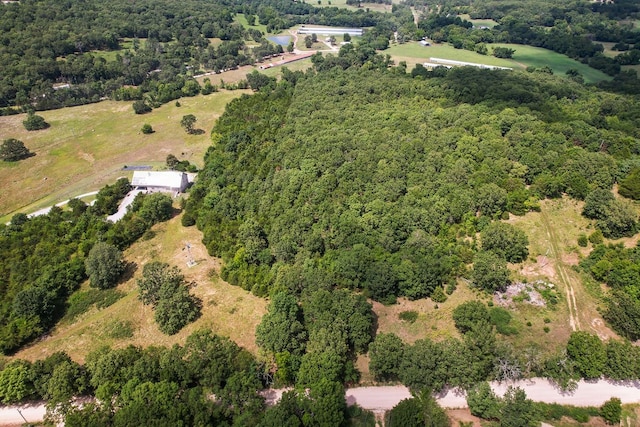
{"points": [[81, 301], [583, 241], [611, 411], [146, 129], [35, 122], [438, 295], [119, 329], [501, 318], [13, 150], [596, 237], [141, 107], [408, 316]]}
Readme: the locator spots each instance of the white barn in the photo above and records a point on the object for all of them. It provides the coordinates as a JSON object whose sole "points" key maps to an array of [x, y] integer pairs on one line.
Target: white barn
{"points": [[167, 181], [330, 31]]}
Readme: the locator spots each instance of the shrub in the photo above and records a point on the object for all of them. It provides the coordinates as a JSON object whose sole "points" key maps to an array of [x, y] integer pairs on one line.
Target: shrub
{"points": [[409, 316], [35, 122], [141, 107], [13, 150], [596, 237], [611, 411], [583, 241], [146, 129], [438, 295]]}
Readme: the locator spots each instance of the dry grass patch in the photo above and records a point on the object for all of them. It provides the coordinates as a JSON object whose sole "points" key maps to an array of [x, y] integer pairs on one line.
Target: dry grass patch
{"points": [[227, 310], [434, 323], [86, 147], [554, 252]]}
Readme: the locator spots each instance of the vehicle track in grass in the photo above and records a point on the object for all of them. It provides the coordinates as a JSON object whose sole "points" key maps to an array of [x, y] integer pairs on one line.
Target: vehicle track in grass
{"points": [[563, 275]]}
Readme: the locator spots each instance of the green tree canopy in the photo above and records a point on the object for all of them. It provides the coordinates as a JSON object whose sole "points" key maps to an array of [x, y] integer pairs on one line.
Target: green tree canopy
{"points": [[505, 240], [588, 353], [104, 265], [13, 150], [490, 272]]}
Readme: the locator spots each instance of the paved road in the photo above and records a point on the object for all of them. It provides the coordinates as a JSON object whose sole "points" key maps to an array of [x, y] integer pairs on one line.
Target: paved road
{"points": [[380, 399]]}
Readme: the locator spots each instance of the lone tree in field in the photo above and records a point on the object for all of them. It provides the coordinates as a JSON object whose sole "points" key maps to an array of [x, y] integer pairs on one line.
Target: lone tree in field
{"points": [[187, 123], [35, 122], [104, 265], [13, 150]]}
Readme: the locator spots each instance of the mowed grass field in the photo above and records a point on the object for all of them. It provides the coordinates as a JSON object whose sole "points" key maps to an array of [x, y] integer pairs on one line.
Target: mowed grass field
{"points": [[524, 56], [227, 310], [86, 147]]}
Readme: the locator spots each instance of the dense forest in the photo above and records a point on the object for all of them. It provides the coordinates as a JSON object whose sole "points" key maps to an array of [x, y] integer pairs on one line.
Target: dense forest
{"points": [[374, 181]]}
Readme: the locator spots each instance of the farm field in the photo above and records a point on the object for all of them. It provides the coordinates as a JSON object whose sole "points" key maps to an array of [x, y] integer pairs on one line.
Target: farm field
{"points": [[227, 310], [86, 147], [525, 56]]}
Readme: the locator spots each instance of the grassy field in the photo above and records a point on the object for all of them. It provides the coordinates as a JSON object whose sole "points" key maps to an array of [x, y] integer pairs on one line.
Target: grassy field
{"points": [[87, 146], [227, 310], [525, 56], [342, 4], [490, 23], [242, 20]]}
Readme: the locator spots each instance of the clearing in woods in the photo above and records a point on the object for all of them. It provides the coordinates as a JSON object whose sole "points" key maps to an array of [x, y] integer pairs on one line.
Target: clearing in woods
{"points": [[226, 310], [553, 253], [86, 147]]}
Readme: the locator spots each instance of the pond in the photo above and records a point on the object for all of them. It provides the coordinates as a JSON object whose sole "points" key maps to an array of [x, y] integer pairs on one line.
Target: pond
{"points": [[281, 40]]}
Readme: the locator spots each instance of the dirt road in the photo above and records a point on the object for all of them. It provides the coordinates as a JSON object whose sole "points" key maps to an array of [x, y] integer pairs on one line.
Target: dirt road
{"points": [[380, 399]]}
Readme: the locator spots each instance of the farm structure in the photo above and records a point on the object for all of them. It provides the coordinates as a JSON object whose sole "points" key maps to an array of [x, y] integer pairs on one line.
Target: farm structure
{"points": [[439, 62], [166, 181], [330, 31]]}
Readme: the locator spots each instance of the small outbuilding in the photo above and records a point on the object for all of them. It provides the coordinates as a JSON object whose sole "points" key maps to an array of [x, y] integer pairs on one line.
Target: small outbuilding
{"points": [[166, 181]]}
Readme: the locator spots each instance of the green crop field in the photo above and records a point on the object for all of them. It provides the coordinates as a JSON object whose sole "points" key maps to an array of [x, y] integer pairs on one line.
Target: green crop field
{"points": [[525, 56], [86, 147]]}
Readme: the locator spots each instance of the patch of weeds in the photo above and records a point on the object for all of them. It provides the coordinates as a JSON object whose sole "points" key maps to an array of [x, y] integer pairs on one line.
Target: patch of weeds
{"points": [[81, 301], [408, 316], [438, 295], [529, 324], [119, 329], [233, 310], [213, 302], [554, 412], [213, 274], [501, 318], [547, 320], [148, 235], [546, 329]]}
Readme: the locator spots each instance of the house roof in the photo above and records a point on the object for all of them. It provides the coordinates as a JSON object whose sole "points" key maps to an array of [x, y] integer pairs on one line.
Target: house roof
{"points": [[170, 179]]}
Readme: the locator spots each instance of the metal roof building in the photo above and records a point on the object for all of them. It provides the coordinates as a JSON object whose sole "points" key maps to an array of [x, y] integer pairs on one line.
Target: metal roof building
{"points": [[169, 181]]}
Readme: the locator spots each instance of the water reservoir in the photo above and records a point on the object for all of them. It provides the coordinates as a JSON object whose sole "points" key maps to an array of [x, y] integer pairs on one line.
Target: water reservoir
{"points": [[281, 40]]}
